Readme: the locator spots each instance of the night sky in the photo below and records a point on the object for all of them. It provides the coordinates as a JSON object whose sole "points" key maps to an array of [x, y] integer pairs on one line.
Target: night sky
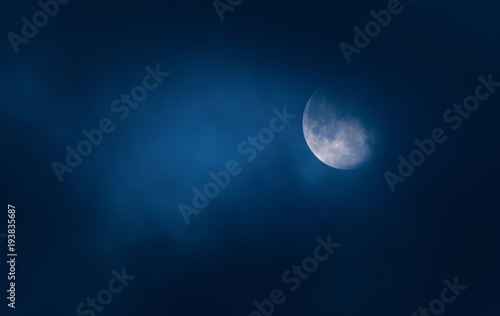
{"points": [[206, 78]]}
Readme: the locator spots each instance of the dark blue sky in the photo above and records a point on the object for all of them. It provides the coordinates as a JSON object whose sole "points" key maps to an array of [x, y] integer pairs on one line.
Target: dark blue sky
{"points": [[119, 207]]}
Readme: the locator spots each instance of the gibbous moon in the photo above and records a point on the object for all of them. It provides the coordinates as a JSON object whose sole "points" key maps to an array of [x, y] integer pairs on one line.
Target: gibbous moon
{"points": [[334, 136]]}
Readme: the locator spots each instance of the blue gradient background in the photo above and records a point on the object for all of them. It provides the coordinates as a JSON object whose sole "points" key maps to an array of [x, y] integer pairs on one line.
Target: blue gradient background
{"points": [[119, 207]]}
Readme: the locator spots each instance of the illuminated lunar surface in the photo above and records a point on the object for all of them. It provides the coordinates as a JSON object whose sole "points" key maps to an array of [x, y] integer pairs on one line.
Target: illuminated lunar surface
{"points": [[334, 136]]}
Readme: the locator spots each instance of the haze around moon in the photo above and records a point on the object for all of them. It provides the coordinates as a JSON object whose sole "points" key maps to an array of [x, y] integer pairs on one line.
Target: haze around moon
{"points": [[334, 136]]}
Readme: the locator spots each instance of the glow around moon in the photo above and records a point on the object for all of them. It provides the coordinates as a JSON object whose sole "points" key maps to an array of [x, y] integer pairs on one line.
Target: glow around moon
{"points": [[334, 136]]}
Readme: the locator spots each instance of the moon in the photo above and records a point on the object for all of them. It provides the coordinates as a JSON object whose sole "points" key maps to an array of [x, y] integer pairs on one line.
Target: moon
{"points": [[335, 137]]}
